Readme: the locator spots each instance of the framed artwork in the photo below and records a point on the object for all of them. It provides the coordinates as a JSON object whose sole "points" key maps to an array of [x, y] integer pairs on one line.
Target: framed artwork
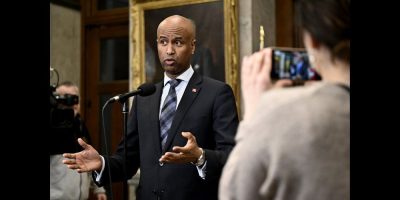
{"points": [[216, 53]]}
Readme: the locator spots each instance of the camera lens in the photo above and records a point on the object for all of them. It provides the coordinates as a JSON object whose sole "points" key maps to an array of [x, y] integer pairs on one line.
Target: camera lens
{"points": [[67, 99]]}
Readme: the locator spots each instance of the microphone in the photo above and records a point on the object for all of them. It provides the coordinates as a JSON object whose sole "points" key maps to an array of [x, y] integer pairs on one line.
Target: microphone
{"points": [[143, 90]]}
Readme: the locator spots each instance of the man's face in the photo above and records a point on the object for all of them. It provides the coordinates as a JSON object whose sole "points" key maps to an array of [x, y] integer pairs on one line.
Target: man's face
{"points": [[175, 44]]}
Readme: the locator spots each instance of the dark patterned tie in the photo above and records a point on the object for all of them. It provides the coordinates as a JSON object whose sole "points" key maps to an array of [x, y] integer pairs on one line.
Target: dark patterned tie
{"points": [[168, 111]]}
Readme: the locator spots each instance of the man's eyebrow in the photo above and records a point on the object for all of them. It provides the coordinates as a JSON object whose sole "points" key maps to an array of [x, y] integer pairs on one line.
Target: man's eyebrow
{"points": [[175, 38], [178, 38]]}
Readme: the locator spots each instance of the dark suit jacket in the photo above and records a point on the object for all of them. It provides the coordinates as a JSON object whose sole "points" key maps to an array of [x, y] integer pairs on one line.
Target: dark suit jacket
{"points": [[208, 110]]}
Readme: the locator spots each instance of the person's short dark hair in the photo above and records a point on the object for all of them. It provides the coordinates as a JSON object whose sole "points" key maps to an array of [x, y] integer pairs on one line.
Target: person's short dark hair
{"points": [[328, 21]]}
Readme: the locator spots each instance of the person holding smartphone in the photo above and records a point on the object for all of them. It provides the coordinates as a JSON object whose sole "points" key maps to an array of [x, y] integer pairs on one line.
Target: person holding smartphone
{"points": [[294, 142]]}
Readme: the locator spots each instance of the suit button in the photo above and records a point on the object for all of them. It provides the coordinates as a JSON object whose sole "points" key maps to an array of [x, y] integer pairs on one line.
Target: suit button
{"points": [[161, 164]]}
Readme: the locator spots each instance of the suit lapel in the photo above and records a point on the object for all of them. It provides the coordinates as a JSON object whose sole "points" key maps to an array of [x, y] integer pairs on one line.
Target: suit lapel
{"points": [[190, 94], [154, 110]]}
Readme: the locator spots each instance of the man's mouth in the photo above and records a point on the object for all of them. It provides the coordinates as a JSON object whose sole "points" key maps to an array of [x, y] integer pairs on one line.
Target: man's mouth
{"points": [[169, 62]]}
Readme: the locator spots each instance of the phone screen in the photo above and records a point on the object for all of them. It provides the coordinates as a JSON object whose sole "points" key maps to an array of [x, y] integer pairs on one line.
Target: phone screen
{"points": [[292, 64]]}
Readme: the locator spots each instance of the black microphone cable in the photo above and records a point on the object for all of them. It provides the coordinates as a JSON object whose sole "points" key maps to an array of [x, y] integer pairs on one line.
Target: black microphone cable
{"points": [[107, 152]]}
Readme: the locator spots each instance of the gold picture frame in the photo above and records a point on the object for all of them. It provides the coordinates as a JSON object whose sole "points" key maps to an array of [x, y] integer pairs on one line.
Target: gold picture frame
{"points": [[140, 44]]}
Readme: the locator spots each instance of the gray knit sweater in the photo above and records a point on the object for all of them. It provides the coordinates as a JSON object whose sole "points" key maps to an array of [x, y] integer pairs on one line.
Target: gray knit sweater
{"points": [[296, 147]]}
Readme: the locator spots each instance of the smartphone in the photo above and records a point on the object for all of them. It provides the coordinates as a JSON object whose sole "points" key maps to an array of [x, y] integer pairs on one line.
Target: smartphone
{"points": [[292, 63]]}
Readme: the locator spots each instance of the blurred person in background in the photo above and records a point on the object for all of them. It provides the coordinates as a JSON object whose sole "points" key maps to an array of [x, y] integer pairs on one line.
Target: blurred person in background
{"points": [[64, 182]]}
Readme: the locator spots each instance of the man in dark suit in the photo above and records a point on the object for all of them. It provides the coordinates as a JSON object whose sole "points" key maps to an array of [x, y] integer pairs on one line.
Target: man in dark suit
{"points": [[180, 136]]}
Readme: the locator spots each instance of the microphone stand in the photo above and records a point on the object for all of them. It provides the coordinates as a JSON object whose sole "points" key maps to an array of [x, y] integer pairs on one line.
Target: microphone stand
{"points": [[143, 90], [125, 115]]}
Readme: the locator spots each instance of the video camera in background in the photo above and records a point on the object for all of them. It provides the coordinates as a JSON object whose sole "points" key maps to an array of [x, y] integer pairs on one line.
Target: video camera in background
{"points": [[62, 122], [61, 112]]}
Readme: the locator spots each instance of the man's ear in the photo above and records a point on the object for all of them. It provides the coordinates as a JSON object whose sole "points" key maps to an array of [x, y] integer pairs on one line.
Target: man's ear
{"points": [[193, 45]]}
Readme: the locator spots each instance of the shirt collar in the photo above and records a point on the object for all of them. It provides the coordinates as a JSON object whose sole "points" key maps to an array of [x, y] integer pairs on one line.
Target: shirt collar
{"points": [[185, 76]]}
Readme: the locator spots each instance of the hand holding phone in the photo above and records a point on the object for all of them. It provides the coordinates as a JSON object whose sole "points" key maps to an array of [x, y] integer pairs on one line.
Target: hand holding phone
{"points": [[255, 79]]}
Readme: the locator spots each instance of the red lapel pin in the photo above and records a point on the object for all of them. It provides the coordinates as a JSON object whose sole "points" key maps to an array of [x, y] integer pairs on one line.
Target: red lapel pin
{"points": [[194, 90]]}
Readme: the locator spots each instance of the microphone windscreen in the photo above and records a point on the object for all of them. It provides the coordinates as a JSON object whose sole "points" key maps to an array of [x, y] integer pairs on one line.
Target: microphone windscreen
{"points": [[147, 89]]}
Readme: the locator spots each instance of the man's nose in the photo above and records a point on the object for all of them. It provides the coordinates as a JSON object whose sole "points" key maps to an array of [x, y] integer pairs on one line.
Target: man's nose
{"points": [[170, 49]]}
